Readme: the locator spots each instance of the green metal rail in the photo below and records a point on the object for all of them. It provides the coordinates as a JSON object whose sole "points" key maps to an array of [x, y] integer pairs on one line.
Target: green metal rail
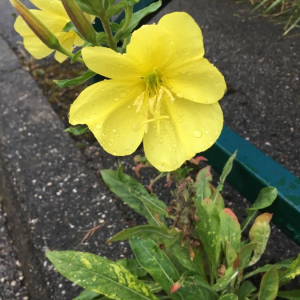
{"points": [[252, 169]]}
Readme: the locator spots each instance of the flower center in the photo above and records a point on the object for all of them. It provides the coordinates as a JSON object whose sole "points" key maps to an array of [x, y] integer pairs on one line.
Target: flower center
{"points": [[151, 99]]}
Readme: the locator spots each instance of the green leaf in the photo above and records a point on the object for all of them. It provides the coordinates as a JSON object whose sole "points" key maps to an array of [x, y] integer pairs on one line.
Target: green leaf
{"points": [[132, 265], [223, 282], [114, 9], [226, 170], [230, 229], [100, 275], [88, 295], [269, 285], [75, 56], [102, 38], [292, 295], [244, 255], [264, 199], [135, 195], [91, 7], [75, 81], [153, 286], [209, 231], [138, 16], [291, 272], [160, 234], [78, 130], [155, 261], [229, 297], [285, 264], [260, 232], [180, 257], [196, 287], [246, 289], [202, 186]]}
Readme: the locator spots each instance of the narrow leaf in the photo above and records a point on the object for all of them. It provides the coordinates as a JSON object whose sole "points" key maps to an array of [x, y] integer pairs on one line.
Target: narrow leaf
{"points": [[260, 232], [99, 275], [264, 199], [88, 295], [230, 229], [135, 195], [155, 261], [244, 255], [209, 230], [202, 186], [91, 7], [196, 287], [78, 130], [75, 81], [269, 285], [229, 297], [246, 289], [291, 272], [181, 258], [292, 295], [222, 282], [132, 265], [160, 234]]}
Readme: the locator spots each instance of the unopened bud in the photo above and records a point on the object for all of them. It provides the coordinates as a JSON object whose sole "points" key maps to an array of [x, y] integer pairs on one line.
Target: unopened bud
{"points": [[177, 285], [80, 21], [39, 29]]}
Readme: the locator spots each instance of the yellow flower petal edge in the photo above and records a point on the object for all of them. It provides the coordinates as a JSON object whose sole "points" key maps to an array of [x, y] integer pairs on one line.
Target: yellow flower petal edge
{"points": [[162, 91], [54, 17]]}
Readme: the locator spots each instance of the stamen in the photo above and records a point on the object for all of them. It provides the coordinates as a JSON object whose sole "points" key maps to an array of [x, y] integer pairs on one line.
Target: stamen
{"points": [[139, 101], [155, 119], [168, 93]]}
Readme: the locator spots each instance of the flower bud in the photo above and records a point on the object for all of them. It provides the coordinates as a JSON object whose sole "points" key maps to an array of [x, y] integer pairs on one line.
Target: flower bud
{"points": [[39, 29], [80, 21], [177, 285]]}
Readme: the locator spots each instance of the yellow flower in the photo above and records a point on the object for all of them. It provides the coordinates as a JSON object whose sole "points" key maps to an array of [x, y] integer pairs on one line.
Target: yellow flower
{"points": [[162, 91], [54, 17]]}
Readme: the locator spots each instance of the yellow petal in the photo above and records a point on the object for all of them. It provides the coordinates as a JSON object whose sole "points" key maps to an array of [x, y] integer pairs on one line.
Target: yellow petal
{"points": [[31, 42], [191, 128], [109, 63], [198, 81], [151, 47], [53, 6], [186, 36], [66, 39], [107, 108]]}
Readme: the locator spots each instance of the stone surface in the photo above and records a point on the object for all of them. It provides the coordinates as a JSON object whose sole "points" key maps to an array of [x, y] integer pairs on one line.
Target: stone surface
{"points": [[49, 195]]}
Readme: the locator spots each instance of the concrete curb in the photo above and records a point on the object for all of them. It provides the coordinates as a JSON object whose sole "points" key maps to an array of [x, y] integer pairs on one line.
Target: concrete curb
{"points": [[48, 193]]}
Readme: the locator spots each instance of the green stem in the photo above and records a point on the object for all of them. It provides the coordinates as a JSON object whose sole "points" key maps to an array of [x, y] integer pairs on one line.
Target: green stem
{"points": [[111, 43], [125, 43], [128, 15], [67, 53], [254, 296]]}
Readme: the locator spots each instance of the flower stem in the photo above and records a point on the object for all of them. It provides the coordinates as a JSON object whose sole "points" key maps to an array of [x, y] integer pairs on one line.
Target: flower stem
{"points": [[112, 44], [128, 15], [67, 53]]}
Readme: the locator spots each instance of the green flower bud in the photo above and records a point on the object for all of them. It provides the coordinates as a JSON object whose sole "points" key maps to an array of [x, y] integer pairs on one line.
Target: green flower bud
{"points": [[80, 21], [39, 29]]}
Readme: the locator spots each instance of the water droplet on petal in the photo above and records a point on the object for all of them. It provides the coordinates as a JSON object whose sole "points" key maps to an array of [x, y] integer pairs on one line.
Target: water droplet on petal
{"points": [[129, 106], [161, 140], [179, 95], [116, 99], [136, 127], [114, 130], [128, 151], [179, 113], [98, 126], [197, 133], [122, 95], [115, 153], [207, 132]]}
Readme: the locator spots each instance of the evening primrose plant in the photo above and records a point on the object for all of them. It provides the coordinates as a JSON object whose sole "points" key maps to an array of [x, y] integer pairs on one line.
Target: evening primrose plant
{"points": [[159, 90]]}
